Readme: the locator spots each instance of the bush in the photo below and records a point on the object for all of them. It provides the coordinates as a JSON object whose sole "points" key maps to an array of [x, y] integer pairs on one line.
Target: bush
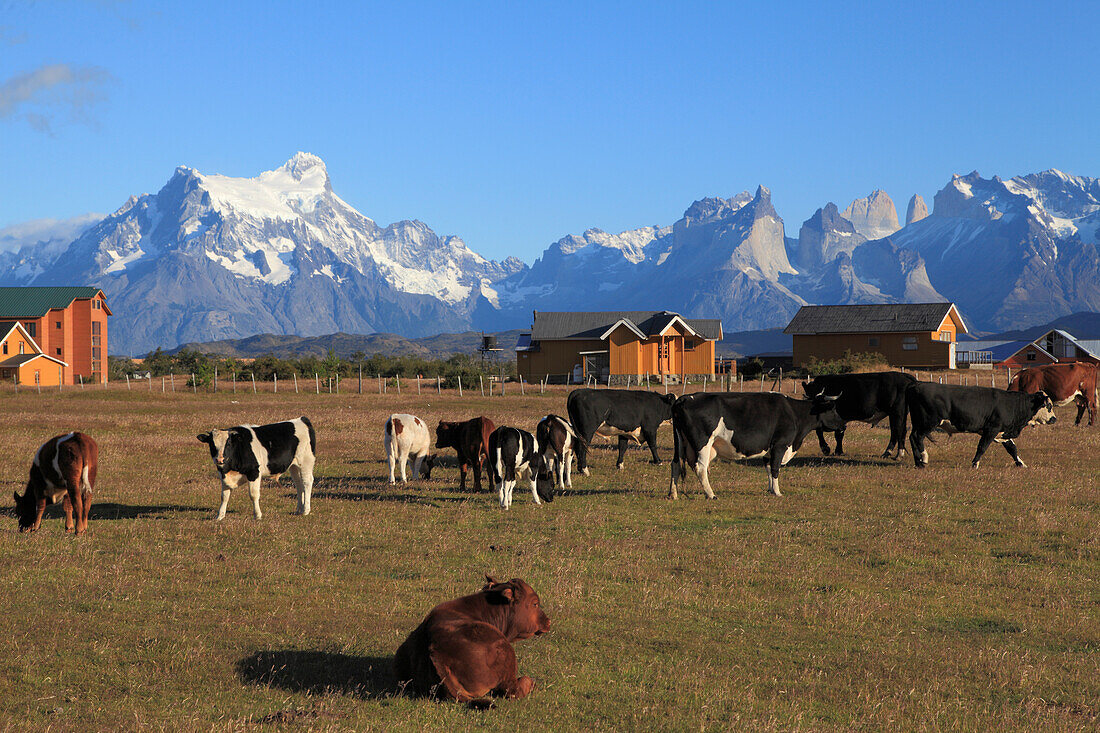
{"points": [[847, 364]]}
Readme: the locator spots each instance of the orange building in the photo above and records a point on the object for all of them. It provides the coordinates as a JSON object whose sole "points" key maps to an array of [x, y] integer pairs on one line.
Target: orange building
{"points": [[914, 335], [68, 324], [617, 344], [22, 361]]}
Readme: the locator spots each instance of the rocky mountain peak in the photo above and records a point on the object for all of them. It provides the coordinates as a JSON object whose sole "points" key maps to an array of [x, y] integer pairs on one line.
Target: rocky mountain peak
{"points": [[875, 216], [916, 211]]}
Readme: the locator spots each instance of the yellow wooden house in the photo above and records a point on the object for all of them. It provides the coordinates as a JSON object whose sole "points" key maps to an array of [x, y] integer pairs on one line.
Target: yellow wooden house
{"points": [[22, 361], [577, 346]]}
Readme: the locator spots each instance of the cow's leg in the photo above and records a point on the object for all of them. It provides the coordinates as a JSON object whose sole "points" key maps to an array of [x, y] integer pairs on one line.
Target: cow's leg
{"points": [[67, 505], [254, 492], [582, 452], [839, 435], [623, 441], [417, 465], [1082, 405], [391, 460], [650, 437], [1010, 446], [462, 475], [775, 460], [403, 459], [40, 509], [477, 474], [920, 455], [86, 506], [76, 496], [534, 484], [87, 485], [226, 491], [897, 437], [983, 445], [567, 467], [825, 449], [702, 470]]}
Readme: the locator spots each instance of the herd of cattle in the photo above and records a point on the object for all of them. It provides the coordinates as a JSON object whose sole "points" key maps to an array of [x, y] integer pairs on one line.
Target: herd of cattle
{"points": [[463, 648]]}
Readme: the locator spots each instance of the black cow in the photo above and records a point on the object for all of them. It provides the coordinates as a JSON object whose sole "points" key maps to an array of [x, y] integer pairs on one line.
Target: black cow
{"points": [[865, 398], [994, 414], [748, 425], [628, 414], [247, 453], [512, 453]]}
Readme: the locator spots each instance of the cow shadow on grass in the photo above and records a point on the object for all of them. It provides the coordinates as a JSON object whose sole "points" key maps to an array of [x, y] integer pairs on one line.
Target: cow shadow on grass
{"points": [[320, 673], [109, 510], [844, 460], [371, 489]]}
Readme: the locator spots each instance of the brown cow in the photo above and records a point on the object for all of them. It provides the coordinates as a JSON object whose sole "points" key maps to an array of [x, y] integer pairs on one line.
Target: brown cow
{"points": [[1064, 383], [463, 649], [65, 464], [470, 440]]}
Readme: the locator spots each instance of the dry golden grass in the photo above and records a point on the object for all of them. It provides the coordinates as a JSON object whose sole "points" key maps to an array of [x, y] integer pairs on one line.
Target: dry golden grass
{"points": [[870, 596]]}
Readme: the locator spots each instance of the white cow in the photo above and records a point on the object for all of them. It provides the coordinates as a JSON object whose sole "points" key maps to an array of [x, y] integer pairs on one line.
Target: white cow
{"points": [[407, 435]]}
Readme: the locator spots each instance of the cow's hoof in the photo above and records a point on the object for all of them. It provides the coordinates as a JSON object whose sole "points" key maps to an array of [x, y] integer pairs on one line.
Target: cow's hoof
{"points": [[656, 462], [826, 451], [584, 471], [618, 466], [839, 453], [70, 530]]}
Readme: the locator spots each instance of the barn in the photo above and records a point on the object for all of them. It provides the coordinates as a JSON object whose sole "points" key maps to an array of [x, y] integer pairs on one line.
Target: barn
{"points": [[911, 335], [617, 345], [1053, 347]]}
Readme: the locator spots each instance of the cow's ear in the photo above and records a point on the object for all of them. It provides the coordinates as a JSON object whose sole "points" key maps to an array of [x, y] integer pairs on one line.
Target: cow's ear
{"points": [[204, 437], [500, 594], [15, 495], [490, 580]]}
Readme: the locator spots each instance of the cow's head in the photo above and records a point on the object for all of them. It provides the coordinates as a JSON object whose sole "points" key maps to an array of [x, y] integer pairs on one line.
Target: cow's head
{"points": [[1042, 409], [426, 466], [26, 509], [446, 434], [544, 477], [823, 409], [221, 446], [669, 399], [525, 617], [810, 387]]}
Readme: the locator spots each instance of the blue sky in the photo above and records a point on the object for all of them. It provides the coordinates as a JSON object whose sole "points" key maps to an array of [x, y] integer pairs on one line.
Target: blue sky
{"points": [[514, 124]]}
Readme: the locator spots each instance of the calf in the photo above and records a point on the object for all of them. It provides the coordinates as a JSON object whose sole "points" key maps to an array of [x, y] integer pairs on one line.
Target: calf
{"points": [[556, 440], [630, 415], [463, 649], [865, 398], [1064, 383], [512, 453], [994, 414], [406, 435], [470, 439], [63, 465], [749, 425], [247, 453]]}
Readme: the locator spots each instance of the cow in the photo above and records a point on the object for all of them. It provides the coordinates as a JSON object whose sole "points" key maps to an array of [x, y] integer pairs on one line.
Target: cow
{"points": [[247, 453], [512, 453], [1064, 383], [994, 414], [557, 439], [865, 398], [463, 648], [470, 439], [65, 465], [403, 436], [630, 415], [748, 425]]}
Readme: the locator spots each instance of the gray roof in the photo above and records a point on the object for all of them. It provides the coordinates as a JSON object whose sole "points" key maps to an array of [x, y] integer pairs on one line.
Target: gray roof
{"points": [[550, 325], [1091, 345], [880, 318]]}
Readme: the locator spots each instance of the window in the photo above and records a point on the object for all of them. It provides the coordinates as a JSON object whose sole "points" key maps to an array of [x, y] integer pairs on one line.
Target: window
{"points": [[872, 340], [95, 340], [58, 350], [945, 335], [58, 323], [909, 343], [32, 329], [95, 326], [5, 347], [37, 377], [21, 346], [689, 345], [1031, 356], [95, 304], [95, 352]]}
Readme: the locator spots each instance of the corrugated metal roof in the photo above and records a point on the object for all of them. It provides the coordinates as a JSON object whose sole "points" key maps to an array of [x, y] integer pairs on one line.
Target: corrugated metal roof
{"points": [[549, 325], [878, 318], [35, 302], [1091, 345]]}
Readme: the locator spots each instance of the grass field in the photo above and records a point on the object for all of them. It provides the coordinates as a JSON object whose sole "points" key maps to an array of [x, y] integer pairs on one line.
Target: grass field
{"points": [[870, 596]]}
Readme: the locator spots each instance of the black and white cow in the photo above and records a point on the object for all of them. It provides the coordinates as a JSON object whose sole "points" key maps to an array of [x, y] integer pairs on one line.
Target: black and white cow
{"points": [[865, 398], [512, 453], [557, 441], [994, 414], [748, 425], [627, 414], [247, 453]]}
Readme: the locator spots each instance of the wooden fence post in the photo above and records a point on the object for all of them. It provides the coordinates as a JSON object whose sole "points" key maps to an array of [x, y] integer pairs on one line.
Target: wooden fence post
{"points": [[317, 382], [127, 382], [418, 384], [253, 382], [215, 379], [360, 379], [459, 385], [438, 384], [481, 383], [398, 378], [275, 376], [295, 382]]}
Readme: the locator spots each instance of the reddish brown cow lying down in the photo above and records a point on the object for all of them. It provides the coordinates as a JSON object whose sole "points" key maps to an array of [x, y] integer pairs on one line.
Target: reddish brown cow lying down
{"points": [[463, 649], [64, 465]]}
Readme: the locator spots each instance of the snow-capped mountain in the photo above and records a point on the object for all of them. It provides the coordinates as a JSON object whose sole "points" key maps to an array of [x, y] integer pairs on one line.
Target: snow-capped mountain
{"points": [[1014, 252], [214, 256], [26, 248]]}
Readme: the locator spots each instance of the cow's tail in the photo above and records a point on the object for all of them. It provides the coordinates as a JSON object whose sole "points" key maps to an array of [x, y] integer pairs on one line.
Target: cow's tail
{"points": [[85, 483], [509, 468], [573, 433]]}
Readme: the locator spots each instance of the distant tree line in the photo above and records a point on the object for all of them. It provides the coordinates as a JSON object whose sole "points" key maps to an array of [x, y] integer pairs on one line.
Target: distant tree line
{"points": [[265, 368]]}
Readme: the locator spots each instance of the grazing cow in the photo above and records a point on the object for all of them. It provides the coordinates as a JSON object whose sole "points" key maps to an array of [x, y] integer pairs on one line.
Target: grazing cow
{"points": [[470, 440], [463, 648], [556, 440], [623, 413], [749, 425], [512, 453], [247, 453], [63, 465], [406, 435], [994, 414], [1064, 383], [865, 398]]}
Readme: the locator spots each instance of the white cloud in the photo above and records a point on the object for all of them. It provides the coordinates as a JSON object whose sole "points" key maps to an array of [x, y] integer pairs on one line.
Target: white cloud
{"points": [[50, 90]]}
